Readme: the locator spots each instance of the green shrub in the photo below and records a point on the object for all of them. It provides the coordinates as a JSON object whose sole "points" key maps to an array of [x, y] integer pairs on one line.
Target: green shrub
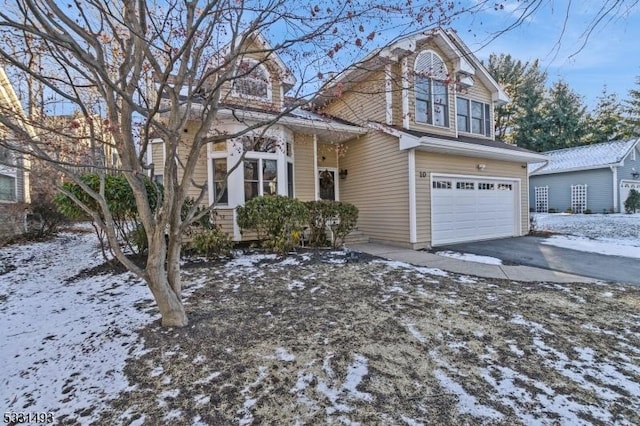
{"points": [[587, 211], [120, 200], [340, 218], [277, 220], [211, 242], [632, 203]]}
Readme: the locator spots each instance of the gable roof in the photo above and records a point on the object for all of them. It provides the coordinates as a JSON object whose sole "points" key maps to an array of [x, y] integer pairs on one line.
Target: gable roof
{"points": [[585, 157], [465, 63]]}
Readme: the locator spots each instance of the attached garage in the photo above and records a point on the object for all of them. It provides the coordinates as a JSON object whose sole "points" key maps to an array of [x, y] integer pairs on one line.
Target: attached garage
{"points": [[468, 208]]}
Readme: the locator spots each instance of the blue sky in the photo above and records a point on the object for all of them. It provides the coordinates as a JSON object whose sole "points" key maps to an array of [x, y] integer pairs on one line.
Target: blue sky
{"points": [[610, 57]]}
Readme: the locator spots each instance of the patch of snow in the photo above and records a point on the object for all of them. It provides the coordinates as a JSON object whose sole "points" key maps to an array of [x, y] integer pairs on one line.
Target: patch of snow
{"points": [[63, 345], [283, 355], [415, 333], [516, 350], [533, 326], [162, 396], [470, 257], [208, 379], [411, 422], [199, 359], [612, 248], [295, 285], [464, 279], [355, 373], [623, 228], [467, 403]]}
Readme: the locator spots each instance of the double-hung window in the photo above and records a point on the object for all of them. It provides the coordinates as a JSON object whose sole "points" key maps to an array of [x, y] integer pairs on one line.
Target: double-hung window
{"points": [[473, 117], [260, 177], [430, 88]]}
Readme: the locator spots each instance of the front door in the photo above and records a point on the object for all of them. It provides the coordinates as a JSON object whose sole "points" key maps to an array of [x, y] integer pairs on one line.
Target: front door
{"points": [[327, 184]]}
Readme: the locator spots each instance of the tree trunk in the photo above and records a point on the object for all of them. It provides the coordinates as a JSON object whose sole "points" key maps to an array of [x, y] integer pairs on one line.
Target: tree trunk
{"points": [[168, 299]]}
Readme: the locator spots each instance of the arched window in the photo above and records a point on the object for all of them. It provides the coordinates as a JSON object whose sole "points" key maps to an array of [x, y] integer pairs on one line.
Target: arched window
{"points": [[431, 92], [253, 80]]}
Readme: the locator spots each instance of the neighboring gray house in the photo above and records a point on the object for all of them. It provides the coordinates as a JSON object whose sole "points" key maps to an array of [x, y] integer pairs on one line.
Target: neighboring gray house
{"points": [[597, 177]]}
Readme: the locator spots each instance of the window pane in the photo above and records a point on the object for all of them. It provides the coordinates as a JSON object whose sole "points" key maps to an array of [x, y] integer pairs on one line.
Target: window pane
{"points": [[463, 124], [290, 179], [251, 170], [463, 106], [439, 93], [220, 187], [251, 179], [476, 109], [487, 120], [476, 125], [250, 190], [422, 88], [421, 111], [440, 115], [269, 177], [7, 188]]}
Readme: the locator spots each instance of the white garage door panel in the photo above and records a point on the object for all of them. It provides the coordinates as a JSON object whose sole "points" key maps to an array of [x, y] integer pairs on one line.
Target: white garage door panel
{"points": [[462, 214]]}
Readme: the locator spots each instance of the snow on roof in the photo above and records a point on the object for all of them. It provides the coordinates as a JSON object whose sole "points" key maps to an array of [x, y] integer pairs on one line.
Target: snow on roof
{"points": [[584, 157]]}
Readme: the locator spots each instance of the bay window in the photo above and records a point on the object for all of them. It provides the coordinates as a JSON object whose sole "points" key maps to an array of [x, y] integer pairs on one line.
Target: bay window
{"points": [[260, 178]]}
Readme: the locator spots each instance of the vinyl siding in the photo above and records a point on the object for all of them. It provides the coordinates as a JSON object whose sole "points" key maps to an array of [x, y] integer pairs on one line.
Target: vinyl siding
{"points": [[378, 185], [433, 163], [327, 156], [200, 174], [157, 157], [224, 219], [304, 180], [364, 102], [599, 188]]}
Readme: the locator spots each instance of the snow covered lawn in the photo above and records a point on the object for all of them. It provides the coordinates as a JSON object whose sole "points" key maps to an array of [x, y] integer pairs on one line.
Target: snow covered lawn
{"points": [[312, 339], [613, 234]]}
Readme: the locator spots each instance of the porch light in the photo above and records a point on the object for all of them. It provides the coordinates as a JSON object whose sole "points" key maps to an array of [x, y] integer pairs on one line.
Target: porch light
{"points": [[635, 174], [481, 166], [343, 173]]}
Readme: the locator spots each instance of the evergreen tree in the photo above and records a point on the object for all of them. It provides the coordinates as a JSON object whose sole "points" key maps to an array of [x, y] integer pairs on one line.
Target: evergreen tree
{"points": [[564, 118], [606, 123], [632, 108], [520, 121]]}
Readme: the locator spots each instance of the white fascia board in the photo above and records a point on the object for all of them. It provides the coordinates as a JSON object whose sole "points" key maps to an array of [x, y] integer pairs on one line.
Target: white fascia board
{"points": [[427, 143], [407, 141]]}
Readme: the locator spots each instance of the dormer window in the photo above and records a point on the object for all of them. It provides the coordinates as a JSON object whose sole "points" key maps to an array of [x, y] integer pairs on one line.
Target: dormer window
{"points": [[430, 87], [252, 80]]}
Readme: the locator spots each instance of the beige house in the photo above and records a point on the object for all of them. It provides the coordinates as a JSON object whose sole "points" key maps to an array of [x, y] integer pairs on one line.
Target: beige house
{"points": [[407, 136], [14, 175]]}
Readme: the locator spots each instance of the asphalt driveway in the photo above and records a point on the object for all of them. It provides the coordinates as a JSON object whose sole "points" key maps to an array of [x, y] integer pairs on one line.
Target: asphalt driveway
{"points": [[531, 252]]}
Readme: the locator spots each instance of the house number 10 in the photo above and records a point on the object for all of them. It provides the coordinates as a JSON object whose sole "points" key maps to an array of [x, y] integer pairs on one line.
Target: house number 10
{"points": [[422, 174]]}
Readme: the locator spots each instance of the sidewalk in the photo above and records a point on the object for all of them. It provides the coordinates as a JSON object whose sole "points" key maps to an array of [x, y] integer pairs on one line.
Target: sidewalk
{"points": [[508, 272]]}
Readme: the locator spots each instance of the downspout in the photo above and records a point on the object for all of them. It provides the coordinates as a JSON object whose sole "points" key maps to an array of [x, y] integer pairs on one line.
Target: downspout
{"points": [[614, 169], [413, 231], [315, 167]]}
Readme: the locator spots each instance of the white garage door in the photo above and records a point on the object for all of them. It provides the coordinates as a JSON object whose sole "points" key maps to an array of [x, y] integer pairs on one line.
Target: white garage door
{"points": [[468, 209]]}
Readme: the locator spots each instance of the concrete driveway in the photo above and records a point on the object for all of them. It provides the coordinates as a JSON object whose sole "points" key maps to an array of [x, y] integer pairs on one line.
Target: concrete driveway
{"points": [[531, 252]]}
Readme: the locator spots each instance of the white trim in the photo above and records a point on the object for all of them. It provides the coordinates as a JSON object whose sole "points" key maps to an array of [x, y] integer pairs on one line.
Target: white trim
{"points": [[406, 119], [413, 216], [388, 90], [614, 170], [315, 167]]}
